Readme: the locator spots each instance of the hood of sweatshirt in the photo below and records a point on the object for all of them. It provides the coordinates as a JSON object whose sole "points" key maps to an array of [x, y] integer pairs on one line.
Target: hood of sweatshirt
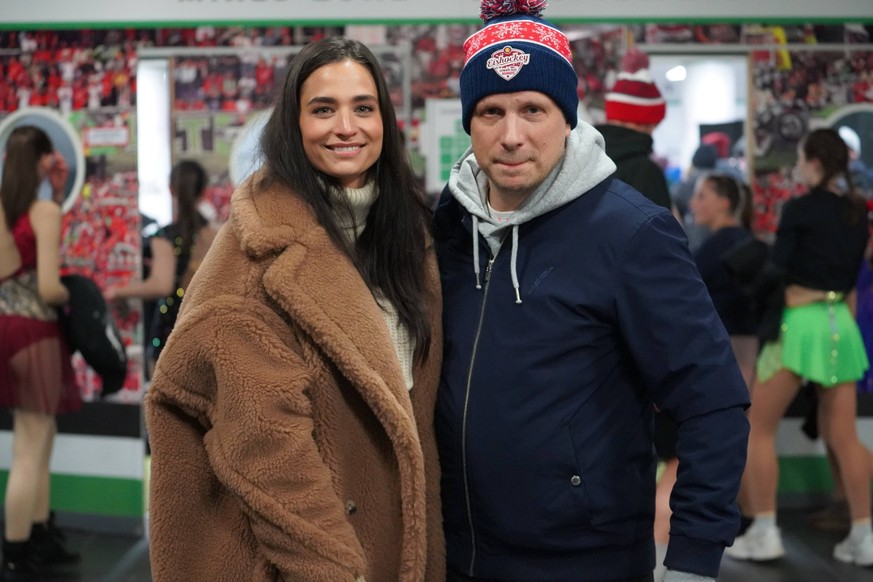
{"points": [[583, 166]]}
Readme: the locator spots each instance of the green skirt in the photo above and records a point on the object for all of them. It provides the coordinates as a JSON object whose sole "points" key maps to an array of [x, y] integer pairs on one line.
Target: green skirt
{"points": [[818, 341]]}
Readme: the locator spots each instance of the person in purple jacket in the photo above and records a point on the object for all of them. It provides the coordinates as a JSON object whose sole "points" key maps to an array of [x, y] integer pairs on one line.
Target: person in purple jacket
{"points": [[572, 310]]}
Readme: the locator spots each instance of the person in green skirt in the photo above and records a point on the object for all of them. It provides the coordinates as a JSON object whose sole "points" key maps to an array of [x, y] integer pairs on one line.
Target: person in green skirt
{"points": [[819, 247]]}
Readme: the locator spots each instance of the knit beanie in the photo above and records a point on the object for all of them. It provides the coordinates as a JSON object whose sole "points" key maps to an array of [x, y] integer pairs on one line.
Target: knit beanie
{"points": [[705, 157], [720, 141], [634, 98], [516, 50]]}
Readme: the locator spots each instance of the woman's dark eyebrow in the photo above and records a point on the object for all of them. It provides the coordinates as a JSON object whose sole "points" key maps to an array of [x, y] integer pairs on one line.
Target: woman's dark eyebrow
{"points": [[330, 100]]}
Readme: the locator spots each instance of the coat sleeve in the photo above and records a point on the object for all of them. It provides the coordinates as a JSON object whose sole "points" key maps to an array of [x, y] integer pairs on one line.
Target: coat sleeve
{"points": [[684, 355], [227, 370]]}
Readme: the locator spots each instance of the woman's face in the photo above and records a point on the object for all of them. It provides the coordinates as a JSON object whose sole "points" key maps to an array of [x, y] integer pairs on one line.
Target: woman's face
{"points": [[709, 208], [340, 121]]}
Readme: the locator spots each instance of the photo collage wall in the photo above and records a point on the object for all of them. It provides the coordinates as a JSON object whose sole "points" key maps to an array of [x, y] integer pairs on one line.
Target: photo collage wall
{"points": [[88, 77]]}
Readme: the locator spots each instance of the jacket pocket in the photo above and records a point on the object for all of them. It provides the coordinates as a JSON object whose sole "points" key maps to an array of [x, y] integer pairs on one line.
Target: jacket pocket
{"points": [[616, 479]]}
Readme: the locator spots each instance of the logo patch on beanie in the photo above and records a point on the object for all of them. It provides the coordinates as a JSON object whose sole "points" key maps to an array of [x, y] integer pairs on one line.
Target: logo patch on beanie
{"points": [[507, 62]]}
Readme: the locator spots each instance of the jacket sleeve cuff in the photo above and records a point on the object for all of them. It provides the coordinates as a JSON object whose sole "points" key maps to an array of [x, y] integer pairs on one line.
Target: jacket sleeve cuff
{"points": [[694, 556]]}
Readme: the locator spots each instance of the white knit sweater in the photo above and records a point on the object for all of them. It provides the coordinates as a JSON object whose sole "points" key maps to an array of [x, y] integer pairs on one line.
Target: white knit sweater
{"points": [[360, 201]]}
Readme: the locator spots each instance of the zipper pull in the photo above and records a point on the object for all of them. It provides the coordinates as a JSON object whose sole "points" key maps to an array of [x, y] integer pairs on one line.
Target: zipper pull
{"points": [[488, 269]]}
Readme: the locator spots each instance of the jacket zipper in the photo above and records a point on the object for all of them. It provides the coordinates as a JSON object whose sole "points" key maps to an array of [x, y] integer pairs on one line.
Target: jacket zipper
{"points": [[464, 423]]}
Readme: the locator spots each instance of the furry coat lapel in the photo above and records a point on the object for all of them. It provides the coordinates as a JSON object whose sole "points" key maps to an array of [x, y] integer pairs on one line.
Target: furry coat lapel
{"points": [[285, 445]]}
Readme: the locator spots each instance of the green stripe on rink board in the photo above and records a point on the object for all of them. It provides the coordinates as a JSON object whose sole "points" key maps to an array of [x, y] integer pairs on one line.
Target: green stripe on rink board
{"points": [[804, 475], [93, 495]]}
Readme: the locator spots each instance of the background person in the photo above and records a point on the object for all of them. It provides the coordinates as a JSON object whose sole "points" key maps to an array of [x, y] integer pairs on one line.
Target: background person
{"points": [[702, 164], [862, 176], [291, 412], [36, 377], [634, 107], [575, 309], [818, 250], [723, 205], [176, 251]]}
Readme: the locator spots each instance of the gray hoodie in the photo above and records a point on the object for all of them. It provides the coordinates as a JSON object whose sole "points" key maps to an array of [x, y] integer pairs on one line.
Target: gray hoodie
{"points": [[584, 165]]}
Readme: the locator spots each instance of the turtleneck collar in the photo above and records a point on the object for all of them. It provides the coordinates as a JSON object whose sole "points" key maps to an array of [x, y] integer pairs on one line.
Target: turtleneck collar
{"points": [[359, 201]]}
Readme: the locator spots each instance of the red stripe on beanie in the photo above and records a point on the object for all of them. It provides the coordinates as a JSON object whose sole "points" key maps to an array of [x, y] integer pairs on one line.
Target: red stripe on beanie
{"points": [[637, 89], [635, 113]]}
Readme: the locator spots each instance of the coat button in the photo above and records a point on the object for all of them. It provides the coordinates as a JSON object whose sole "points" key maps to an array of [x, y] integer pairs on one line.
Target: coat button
{"points": [[351, 508], [575, 480]]}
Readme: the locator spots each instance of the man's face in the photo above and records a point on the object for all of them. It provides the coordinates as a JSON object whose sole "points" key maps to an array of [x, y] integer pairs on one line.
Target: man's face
{"points": [[518, 138]]}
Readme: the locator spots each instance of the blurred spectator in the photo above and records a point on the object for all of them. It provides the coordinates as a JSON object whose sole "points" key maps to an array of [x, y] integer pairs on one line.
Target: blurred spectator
{"points": [[176, 251], [859, 173], [37, 381], [634, 107], [702, 162]]}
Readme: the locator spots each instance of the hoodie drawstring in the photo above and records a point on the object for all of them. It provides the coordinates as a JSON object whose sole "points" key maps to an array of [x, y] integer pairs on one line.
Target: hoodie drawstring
{"points": [[476, 250], [513, 262]]}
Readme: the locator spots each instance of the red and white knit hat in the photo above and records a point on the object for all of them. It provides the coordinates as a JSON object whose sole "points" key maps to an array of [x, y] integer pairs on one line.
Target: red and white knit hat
{"points": [[634, 97]]}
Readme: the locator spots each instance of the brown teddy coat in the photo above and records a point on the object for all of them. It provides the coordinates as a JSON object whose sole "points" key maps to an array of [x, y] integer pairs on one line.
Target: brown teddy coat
{"points": [[285, 445]]}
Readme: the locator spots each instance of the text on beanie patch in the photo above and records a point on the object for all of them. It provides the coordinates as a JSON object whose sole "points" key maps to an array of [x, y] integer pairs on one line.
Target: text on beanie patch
{"points": [[507, 62]]}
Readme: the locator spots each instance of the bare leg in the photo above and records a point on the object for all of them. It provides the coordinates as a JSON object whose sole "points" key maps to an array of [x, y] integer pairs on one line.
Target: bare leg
{"points": [[770, 400], [839, 492], [31, 440], [746, 351], [662, 501], [839, 406], [41, 511]]}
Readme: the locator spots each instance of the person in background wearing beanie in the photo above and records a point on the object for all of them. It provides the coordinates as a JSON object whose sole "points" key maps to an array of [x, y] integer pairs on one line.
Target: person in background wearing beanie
{"points": [[572, 308], [634, 107]]}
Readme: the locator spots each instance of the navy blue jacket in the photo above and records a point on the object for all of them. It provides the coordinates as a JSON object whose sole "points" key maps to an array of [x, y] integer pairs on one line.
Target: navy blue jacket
{"points": [[544, 415]]}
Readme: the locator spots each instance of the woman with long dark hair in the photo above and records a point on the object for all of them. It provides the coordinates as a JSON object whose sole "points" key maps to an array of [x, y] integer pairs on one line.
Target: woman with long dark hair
{"points": [[36, 378], [291, 413], [819, 247], [176, 251]]}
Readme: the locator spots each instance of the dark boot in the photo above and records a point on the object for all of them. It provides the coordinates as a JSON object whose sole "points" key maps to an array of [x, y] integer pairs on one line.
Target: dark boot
{"points": [[17, 566], [47, 549], [56, 531]]}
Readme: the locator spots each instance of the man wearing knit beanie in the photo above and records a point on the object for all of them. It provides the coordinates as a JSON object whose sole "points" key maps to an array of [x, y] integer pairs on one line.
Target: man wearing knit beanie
{"points": [[634, 107], [571, 309]]}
